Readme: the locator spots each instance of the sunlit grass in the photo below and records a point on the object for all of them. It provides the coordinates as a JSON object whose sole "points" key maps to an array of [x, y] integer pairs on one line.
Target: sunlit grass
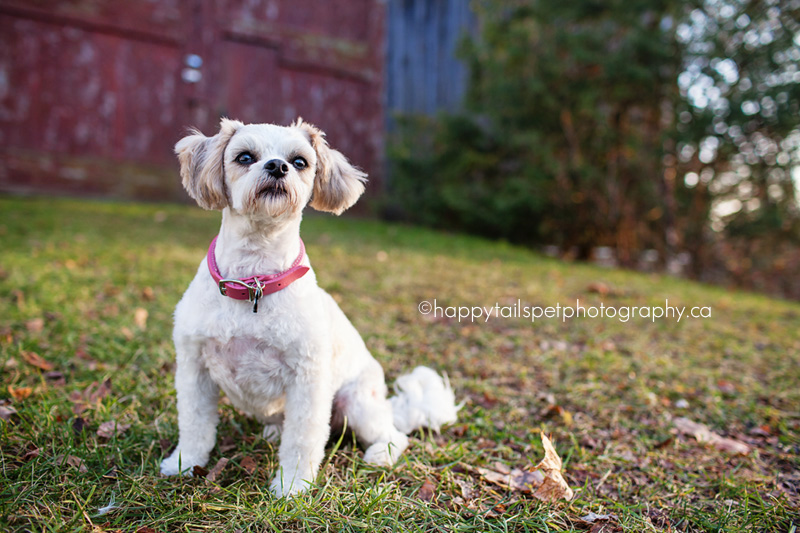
{"points": [[73, 273]]}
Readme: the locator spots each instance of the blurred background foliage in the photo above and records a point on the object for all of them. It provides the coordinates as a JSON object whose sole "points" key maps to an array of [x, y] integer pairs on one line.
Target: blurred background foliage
{"points": [[664, 133]]}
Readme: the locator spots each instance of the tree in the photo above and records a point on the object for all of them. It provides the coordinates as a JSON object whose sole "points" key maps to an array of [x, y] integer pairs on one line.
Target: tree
{"points": [[737, 132], [627, 124]]}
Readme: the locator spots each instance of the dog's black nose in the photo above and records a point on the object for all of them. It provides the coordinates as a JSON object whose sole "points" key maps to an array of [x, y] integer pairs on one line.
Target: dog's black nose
{"points": [[276, 167]]}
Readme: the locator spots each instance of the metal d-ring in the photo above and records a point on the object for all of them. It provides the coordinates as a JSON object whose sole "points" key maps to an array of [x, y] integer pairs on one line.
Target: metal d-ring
{"points": [[259, 292], [250, 289]]}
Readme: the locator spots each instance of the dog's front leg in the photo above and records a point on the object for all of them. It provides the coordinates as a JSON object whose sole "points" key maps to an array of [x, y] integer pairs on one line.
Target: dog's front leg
{"points": [[306, 427], [197, 396]]}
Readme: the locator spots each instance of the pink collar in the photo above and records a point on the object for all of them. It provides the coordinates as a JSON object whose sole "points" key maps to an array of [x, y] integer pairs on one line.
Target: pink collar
{"points": [[254, 287]]}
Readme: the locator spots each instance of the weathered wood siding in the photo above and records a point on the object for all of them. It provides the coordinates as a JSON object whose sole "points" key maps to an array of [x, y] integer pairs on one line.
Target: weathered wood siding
{"points": [[422, 71], [95, 93]]}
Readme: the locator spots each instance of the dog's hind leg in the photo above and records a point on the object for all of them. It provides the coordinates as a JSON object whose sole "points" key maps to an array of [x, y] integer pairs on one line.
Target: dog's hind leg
{"points": [[197, 411], [369, 414]]}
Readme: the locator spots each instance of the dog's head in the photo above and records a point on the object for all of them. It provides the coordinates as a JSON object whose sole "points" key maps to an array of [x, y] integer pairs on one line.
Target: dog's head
{"points": [[264, 170]]}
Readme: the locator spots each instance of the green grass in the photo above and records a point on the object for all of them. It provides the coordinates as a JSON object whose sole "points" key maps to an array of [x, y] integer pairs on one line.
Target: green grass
{"points": [[85, 267]]}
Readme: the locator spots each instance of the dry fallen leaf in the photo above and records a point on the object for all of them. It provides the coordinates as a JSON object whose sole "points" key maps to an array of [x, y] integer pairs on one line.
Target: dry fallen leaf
{"points": [[599, 287], [702, 433], [35, 325], [126, 332], [7, 412], [55, 378], [140, 318], [544, 481], [147, 294], [34, 359], [79, 424], [249, 464], [426, 491], [100, 392], [553, 411], [467, 488], [32, 453], [554, 486], [515, 479], [111, 428], [594, 517], [90, 396], [73, 461], [211, 477], [600, 523], [19, 393]]}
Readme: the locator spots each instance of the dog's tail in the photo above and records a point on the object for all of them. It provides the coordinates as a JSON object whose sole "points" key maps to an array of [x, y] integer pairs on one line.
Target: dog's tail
{"points": [[423, 399]]}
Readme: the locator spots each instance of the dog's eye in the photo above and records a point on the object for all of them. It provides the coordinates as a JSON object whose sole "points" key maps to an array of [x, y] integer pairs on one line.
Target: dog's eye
{"points": [[245, 158], [299, 163]]}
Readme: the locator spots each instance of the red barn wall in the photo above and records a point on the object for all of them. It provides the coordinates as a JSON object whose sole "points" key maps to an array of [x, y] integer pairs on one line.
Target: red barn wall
{"points": [[95, 93]]}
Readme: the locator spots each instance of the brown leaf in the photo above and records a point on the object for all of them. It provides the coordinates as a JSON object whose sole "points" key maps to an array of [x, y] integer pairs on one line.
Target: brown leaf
{"points": [[79, 403], [33, 452], [34, 359], [227, 444], [602, 526], [598, 287], [145, 529], [544, 481], [702, 433], [7, 412], [90, 397], [467, 488], [426, 491], [126, 332], [553, 411], [19, 393], [147, 294], [460, 431], [111, 428], [726, 387], [35, 325], [140, 318], [594, 517], [664, 443], [79, 425], [211, 477], [55, 378], [199, 471], [554, 486], [71, 460], [100, 392], [249, 464]]}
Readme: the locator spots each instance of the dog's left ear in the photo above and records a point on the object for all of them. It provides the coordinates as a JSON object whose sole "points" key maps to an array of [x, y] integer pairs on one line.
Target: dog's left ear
{"points": [[337, 184]]}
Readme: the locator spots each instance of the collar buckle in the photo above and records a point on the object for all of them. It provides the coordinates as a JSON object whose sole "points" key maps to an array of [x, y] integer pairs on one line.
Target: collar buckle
{"points": [[253, 293]]}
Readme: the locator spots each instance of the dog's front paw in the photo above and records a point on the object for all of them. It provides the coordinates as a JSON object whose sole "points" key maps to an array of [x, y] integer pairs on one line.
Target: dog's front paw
{"points": [[178, 463], [386, 453], [289, 485]]}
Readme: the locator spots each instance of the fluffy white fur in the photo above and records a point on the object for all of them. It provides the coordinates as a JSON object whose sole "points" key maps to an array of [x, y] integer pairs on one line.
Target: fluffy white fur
{"points": [[298, 364]]}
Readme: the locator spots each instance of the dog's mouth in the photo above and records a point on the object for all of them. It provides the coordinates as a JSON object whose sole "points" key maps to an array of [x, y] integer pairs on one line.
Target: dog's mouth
{"points": [[272, 189]]}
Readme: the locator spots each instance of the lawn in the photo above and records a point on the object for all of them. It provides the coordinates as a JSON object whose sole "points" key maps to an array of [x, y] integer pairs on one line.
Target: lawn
{"points": [[86, 295]]}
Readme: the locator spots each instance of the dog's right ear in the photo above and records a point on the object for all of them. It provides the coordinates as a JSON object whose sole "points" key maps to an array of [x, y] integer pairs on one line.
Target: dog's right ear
{"points": [[201, 161]]}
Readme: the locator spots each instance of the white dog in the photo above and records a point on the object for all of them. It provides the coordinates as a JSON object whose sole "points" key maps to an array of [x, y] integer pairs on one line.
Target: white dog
{"points": [[254, 323]]}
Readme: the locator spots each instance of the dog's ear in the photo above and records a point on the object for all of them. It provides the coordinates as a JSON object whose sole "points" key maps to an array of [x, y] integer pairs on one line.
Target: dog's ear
{"points": [[337, 184], [201, 161]]}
